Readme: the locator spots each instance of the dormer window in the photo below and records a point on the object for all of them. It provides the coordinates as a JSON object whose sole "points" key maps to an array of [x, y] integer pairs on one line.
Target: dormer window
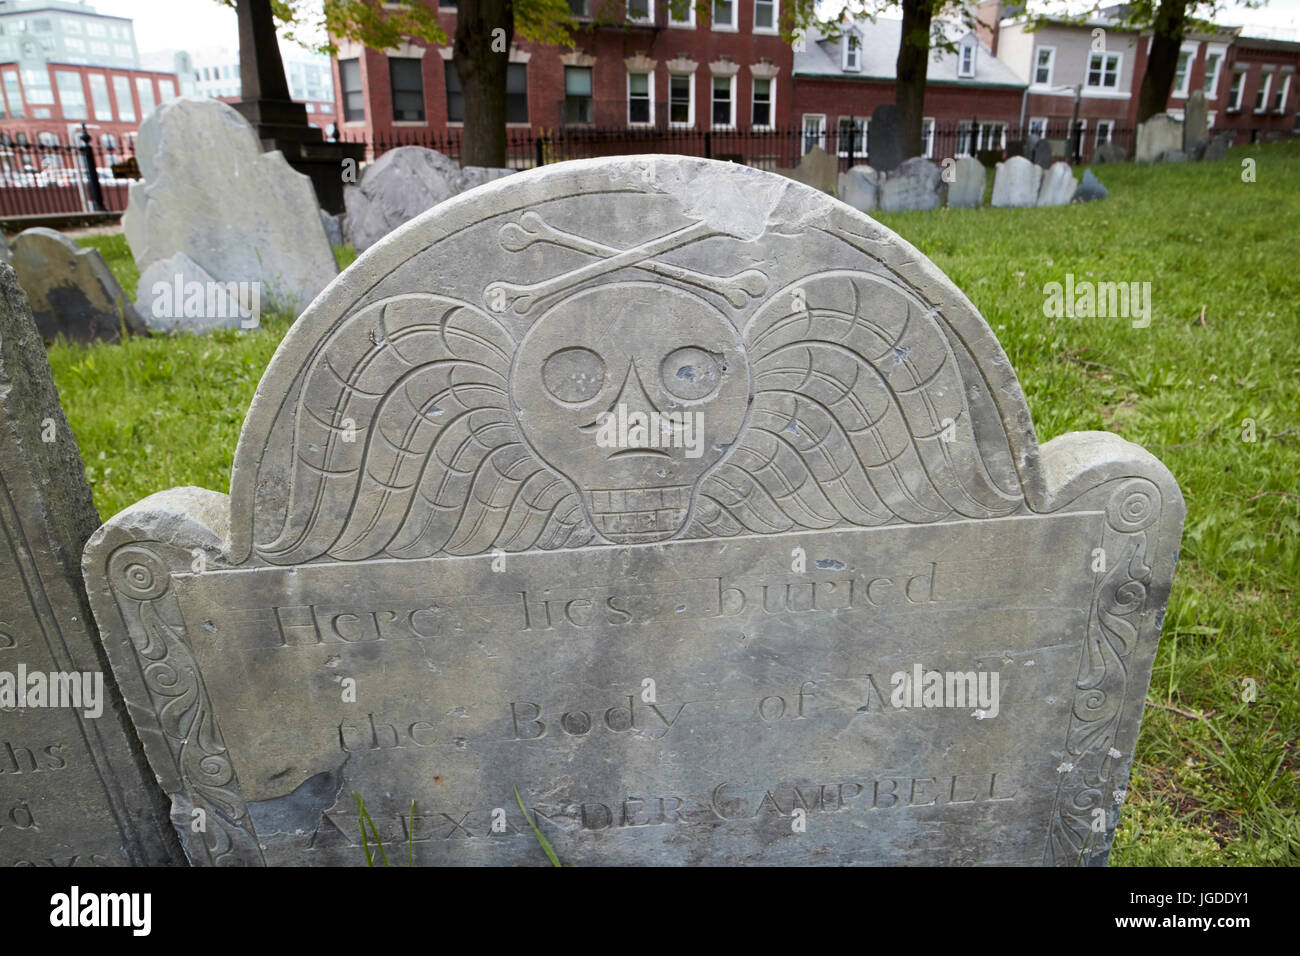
{"points": [[852, 53], [966, 63]]}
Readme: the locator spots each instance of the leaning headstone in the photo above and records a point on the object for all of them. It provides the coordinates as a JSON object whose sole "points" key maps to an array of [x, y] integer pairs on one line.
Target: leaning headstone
{"points": [[74, 787], [1217, 148], [178, 295], [1042, 154], [968, 183], [1171, 156], [71, 289], [885, 139], [1110, 153], [1159, 133], [460, 557], [1091, 188], [1016, 182], [1196, 124], [913, 185], [818, 169], [400, 185], [860, 188], [1058, 186], [242, 215]]}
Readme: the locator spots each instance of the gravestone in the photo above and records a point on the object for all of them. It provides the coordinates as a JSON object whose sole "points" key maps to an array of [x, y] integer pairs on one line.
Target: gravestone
{"points": [[74, 786], [1111, 153], [913, 185], [818, 169], [333, 227], [860, 188], [6, 252], [178, 295], [1042, 154], [1016, 182], [455, 561], [1159, 133], [70, 288], [1091, 188], [1196, 124], [1171, 156], [401, 184], [969, 180], [242, 215], [1217, 148], [885, 139], [1058, 186]]}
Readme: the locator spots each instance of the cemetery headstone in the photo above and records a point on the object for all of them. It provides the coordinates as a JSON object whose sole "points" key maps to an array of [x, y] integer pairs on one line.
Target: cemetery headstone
{"points": [[1091, 188], [6, 252], [1110, 153], [242, 215], [1217, 148], [1196, 124], [1159, 133], [178, 295], [74, 786], [1171, 156], [1058, 186], [401, 184], [818, 169], [860, 188], [885, 140], [333, 227], [828, 605], [914, 184], [970, 179], [70, 288], [1016, 182], [1042, 155]]}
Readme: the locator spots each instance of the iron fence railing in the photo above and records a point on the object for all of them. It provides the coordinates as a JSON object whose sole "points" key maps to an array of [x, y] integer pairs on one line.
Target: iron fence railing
{"points": [[47, 180]]}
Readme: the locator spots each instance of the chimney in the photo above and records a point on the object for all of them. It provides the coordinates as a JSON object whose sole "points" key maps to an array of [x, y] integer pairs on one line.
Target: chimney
{"points": [[987, 28]]}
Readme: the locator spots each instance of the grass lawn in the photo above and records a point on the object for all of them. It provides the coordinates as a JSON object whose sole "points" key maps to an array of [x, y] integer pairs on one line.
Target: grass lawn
{"points": [[1215, 781]]}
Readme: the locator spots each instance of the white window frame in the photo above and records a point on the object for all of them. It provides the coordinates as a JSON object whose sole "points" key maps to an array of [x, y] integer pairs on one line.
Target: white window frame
{"points": [[1284, 92], [771, 103], [1051, 65], [1119, 71], [1211, 83], [860, 125], [1042, 123], [1261, 94], [927, 137], [1103, 124], [964, 71], [851, 53], [690, 109], [999, 131], [732, 81], [650, 88], [1184, 90], [731, 27], [820, 127], [776, 17], [649, 18], [688, 23], [1234, 102]]}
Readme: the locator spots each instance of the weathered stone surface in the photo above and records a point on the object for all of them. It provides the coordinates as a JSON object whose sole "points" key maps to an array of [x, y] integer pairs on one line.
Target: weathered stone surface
{"points": [[74, 787], [1160, 133], [1016, 182], [1058, 186], [333, 227], [178, 295], [1196, 124], [914, 184], [970, 178], [1110, 153], [6, 252], [71, 289], [1171, 156], [885, 150], [210, 192], [1217, 148], [818, 169], [1091, 188], [434, 580], [1042, 154], [860, 188]]}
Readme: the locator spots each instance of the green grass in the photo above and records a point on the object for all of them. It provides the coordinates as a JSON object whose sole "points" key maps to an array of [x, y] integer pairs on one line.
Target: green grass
{"points": [[1215, 779]]}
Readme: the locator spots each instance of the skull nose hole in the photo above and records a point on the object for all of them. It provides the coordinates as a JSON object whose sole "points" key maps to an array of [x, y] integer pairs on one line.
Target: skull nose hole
{"points": [[633, 392]]}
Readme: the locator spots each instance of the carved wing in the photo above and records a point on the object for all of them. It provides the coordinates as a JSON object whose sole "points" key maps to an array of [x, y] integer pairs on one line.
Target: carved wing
{"points": [[404, 444], [866, 412]]}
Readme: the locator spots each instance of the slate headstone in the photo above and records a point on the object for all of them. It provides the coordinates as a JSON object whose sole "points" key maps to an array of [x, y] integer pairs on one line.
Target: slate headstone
{"points": [[74, 787], [818, 169], [6, 252], [333, 227], [1016, 182], [1159, 133], [1042, 154], [1091, 188], [1196, 124], [860, 188], [210, 192], [442, 573], [1171, 156], [913, 185], [969, 181], [1110, 153], [401, 184], [885, 138], [1217, 148], [71, 289], [178, 295], [1058, 186], [1016, 147]]}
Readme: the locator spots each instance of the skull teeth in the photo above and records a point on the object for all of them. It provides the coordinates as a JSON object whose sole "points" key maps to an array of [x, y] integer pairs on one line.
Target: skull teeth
{"points": [[639, 514]]}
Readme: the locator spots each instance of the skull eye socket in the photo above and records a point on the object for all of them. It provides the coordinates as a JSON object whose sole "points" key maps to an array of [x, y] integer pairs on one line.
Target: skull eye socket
{"points": [[690, 373], [573, 376]]}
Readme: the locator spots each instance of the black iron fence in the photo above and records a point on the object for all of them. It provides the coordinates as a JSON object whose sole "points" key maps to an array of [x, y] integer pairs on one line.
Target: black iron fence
{"points": [[53, 180]]}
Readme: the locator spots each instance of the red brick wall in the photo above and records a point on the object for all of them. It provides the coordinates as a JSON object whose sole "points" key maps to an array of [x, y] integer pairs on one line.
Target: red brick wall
{"points": [[947, 105]]}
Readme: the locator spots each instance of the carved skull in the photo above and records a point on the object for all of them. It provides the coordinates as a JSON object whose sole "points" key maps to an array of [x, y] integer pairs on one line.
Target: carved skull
{"points": [[633, 392]]}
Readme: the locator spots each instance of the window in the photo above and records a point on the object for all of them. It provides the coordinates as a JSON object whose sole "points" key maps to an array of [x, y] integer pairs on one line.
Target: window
{"points": [[123, 50], [927, 137], [852, 136], [1104, 129], [852, 53], [762, 112], [1261, 94], [641, 11], [72, 95], [99, 48], [37, 83], [640, 105], [814, 131], [765, 16], [966, 65], [1103, 71], [1238, 88], [681, 99], [1038, 126], [1044, 64], [1279, 98], [1212, 63], [681, 13], [47, 138], [580, 8], [96, 29], [407, 80], [71, 25], [99, 96], [108, 143], [724, 101], [354, 103], [125, 105], [1183, 73], [14, 92], [74, 44], [42, 25], [577, 94], [455, 96], [167, 88], [517, 93], [724, 14], [144, 92], [225, 72]]}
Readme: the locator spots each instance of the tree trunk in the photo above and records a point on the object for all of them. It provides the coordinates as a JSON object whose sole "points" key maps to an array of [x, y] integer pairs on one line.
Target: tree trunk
{"points": [[481, 54], [913, 63], [1162, 62]]}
